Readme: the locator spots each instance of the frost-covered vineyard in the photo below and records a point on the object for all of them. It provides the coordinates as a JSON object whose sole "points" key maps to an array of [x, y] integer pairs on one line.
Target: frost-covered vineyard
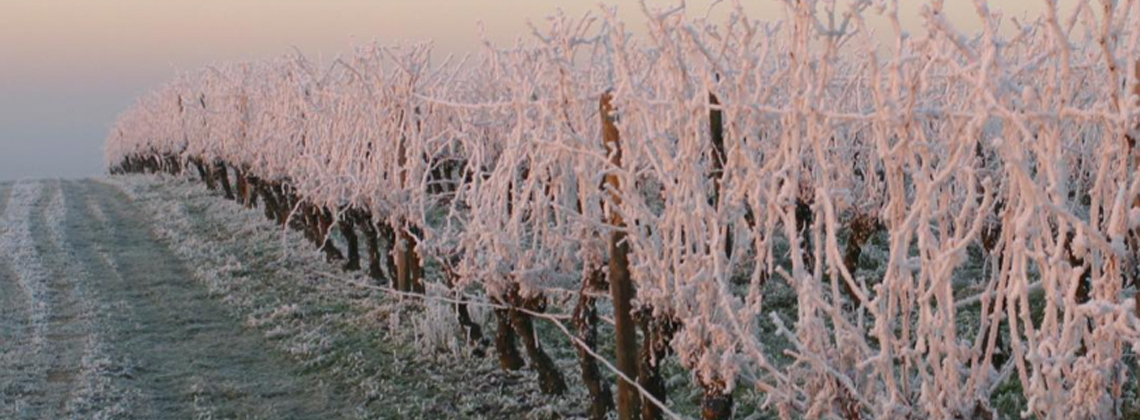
{"points": [[958, 214]]}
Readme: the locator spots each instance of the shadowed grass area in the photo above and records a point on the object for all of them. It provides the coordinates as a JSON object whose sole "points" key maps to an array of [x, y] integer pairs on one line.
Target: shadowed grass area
{"points": [[367, 347]]}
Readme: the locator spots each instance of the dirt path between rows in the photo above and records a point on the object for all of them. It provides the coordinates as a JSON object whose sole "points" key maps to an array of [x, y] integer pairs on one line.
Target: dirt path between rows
{"points": [[100, 319], [144, 297]]}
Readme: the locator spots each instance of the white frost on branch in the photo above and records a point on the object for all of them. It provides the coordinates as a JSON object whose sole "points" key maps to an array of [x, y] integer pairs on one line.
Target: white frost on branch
{"points": [[994, 172]]}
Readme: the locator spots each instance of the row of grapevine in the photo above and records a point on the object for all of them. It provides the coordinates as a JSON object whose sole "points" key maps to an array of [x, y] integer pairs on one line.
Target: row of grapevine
{"points": [[955, 214]]}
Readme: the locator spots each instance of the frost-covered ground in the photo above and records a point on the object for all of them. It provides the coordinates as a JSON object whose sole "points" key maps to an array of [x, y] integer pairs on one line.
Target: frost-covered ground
{"points": [[123, 299], [395, 359], [151, 297], [145, 297], [101, 320], [384, 358]]}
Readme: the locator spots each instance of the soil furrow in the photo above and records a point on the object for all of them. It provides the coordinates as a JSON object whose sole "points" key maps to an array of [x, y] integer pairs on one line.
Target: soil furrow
{"points": [[66, 333], [100, 319], [192, 357], [23, 370], [5, 195], [15, 321]]}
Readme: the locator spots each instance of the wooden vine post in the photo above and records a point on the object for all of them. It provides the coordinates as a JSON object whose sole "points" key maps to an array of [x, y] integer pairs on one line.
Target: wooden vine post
{"points": [[621, 287], [407, 262], [1135, 236], [719, 155], [716, 403], [241, 172]]}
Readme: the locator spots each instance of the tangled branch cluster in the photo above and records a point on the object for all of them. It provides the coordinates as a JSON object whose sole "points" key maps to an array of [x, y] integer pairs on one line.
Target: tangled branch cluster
{"points": [[995, 174]]}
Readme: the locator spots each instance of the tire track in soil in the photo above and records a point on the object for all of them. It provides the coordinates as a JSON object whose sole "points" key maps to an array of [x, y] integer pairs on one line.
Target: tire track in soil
{"points": [[23, 366], [66, 332], [5, 195], [191, 358], [15, 321], [13, 309]]}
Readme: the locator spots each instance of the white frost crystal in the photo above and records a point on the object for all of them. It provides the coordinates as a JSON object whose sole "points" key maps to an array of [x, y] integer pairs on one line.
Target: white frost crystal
{"points": [[497, 163]]}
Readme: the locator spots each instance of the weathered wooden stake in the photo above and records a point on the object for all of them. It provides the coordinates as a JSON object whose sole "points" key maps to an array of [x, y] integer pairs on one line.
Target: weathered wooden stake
{"points": [[715, 403], [621, 287], [719, 155], [408, 270], [242, 187], [1135, 269]]}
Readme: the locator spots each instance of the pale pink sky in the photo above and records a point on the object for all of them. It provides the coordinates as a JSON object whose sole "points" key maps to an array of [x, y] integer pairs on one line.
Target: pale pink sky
{"points": [[68, 67]]}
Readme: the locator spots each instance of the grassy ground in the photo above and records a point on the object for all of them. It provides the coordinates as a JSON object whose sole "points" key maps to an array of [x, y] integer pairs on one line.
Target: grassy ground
{"points": [[390, 358]]}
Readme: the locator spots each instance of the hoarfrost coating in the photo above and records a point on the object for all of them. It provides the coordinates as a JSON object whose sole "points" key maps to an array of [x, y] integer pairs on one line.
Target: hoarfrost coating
{"points": [[997, 174]]}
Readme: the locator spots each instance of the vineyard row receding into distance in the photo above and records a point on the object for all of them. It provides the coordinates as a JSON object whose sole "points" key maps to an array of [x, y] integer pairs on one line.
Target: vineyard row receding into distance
{"points": [[956, 215]]}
